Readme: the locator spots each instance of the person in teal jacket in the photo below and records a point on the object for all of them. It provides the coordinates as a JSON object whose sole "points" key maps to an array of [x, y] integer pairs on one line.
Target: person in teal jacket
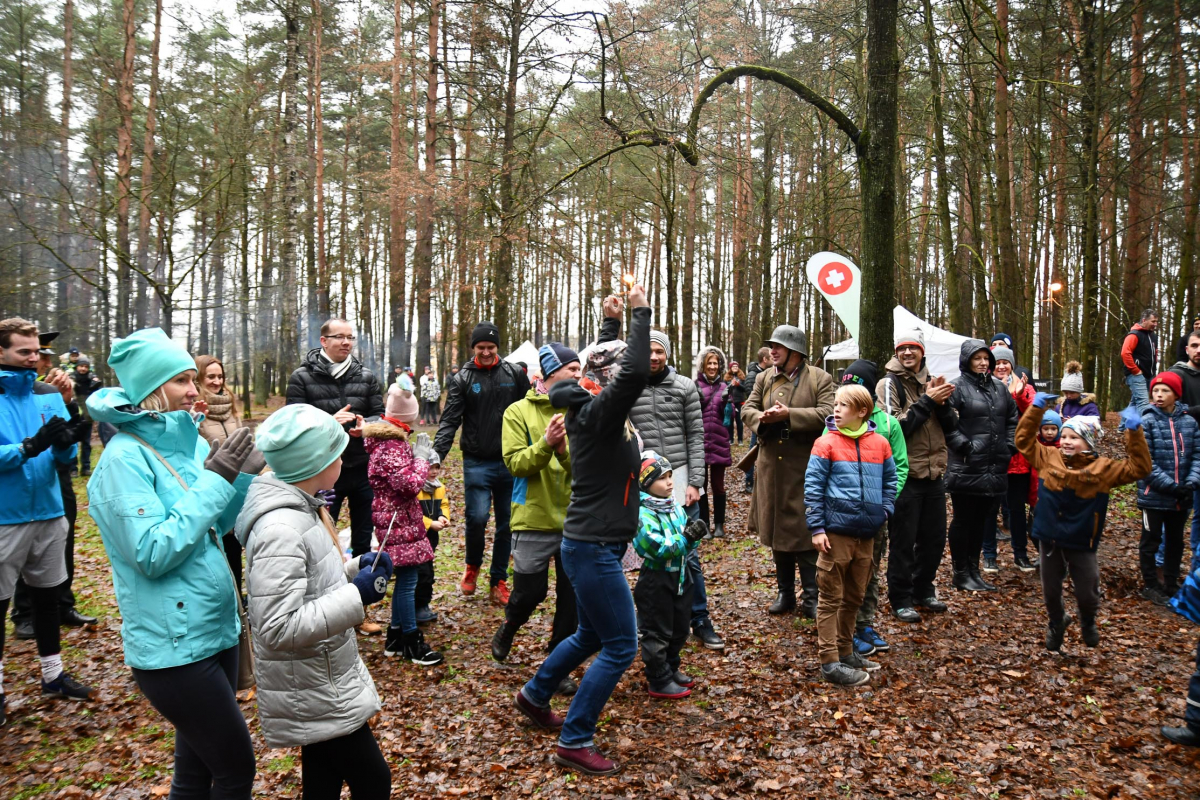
{"points": [[159, 527], [866, 640], [35, 434]]}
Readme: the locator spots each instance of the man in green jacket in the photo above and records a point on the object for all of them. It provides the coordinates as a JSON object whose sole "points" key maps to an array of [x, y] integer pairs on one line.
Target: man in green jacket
{"points": [[534, 448], [866, 640]]}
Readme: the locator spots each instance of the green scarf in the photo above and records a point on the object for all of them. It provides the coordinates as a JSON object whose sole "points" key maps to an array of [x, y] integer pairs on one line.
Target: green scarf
{"points": [[854, 433]]}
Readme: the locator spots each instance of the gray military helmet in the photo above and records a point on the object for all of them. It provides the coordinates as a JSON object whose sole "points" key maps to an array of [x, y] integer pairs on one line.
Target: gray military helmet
{"points": [[791, 337]]}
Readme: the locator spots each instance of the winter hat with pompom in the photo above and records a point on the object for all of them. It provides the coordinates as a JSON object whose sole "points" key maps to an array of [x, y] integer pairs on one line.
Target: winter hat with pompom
{"points": [[1073, 380], [401, 402]]}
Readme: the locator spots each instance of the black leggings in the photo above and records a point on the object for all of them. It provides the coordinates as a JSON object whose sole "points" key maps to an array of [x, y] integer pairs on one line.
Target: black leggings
{"points": [[353, 759], [214, 758], [45, 619], [1159, 525], [971, 514]]}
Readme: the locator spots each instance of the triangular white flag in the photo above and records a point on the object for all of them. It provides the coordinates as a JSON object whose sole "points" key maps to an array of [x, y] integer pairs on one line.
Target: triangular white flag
{"points": [[840, 281]]}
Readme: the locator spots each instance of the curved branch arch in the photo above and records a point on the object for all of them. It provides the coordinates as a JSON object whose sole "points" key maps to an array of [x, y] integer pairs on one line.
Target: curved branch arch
{"points": [[688, 148]]}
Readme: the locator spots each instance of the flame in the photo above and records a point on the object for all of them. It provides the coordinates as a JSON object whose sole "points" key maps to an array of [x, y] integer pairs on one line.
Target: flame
{"points": [[628, 279]]}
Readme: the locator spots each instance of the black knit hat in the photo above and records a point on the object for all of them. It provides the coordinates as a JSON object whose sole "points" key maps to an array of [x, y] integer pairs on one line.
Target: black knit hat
{"points": [[862, 373], [485, 332]]}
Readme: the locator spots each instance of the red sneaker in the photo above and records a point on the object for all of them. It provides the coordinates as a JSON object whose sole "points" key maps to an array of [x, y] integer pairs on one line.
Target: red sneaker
{"points": [[500, 594], [541, 717], [588, 760], [468, 580]]}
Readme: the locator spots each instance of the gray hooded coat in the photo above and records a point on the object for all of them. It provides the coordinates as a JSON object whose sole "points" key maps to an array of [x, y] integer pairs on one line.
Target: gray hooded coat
{"points": [[312, 685]]}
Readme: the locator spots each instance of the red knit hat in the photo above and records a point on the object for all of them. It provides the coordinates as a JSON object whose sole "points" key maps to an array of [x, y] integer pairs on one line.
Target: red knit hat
{"points": [[1171, 381]]}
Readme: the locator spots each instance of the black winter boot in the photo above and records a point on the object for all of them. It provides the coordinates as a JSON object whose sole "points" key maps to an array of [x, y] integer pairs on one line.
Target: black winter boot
{"points": [[964, 579], [808, 591], [418, 651], [502, 641], [978, 578], [704, 513], [785, 576], [718, 531]]}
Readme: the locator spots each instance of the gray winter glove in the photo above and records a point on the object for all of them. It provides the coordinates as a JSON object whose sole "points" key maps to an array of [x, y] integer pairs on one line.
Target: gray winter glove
{"points": [[423, 448], [695, 530], [255, 462], [228, 458]]}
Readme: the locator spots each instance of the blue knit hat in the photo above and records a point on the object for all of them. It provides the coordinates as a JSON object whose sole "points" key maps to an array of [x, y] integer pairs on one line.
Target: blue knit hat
{"points": [[145, 360], [300, 441], [1052, 417], [554, 356]]}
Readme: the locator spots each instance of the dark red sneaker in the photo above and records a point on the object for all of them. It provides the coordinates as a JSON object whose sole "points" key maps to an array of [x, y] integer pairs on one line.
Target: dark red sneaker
{"points": [[588, 760], [541, 717]]}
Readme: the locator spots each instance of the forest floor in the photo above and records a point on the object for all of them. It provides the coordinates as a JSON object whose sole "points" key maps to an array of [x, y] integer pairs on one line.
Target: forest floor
{"points": [[968, 703]]}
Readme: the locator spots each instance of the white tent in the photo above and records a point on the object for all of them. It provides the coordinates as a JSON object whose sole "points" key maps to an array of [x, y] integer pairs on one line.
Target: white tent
{"points": [[941, 347], [529, 354]]}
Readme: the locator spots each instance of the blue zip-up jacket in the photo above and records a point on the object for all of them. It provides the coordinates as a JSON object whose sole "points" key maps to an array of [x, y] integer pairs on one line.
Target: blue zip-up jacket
{"points": [[29, 485], [850, 485], [660, 540], [1172, 440], [171, 578]]}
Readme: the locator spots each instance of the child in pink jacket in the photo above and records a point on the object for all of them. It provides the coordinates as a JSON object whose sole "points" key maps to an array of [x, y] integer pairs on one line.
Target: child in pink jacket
{"points": [[397, 471]]}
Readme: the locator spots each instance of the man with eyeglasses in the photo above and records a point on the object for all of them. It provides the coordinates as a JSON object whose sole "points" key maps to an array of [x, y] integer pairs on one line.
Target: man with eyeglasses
{"points": [[335, 381], [918, 527]]}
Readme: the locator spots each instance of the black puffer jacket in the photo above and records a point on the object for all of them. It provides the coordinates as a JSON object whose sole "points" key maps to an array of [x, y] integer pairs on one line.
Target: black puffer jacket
{"points": [[604, 452], [476, 398], [982, 444], [357, 387]]}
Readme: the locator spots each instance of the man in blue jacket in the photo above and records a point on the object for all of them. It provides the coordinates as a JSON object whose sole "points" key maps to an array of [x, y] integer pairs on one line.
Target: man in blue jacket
{"points": [[35, 433]]}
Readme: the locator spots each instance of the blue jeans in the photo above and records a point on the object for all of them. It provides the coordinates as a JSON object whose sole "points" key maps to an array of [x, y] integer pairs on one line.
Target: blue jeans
{"points": [[700, 616], [404, 599], [607, 625], [488, 483], [1140, 395]]}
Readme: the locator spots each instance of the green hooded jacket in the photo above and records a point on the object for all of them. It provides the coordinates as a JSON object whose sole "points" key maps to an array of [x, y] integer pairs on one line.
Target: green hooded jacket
{"points": [[889, 426], [541, 477]]}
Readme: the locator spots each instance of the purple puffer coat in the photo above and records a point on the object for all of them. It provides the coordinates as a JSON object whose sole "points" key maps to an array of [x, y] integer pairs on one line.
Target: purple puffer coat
{"points": [[713, 397], [396, 477]]}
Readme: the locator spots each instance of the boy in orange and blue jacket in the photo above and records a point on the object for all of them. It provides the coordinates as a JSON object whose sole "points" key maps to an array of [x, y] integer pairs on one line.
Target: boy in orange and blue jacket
{"points": [[850, 491]]}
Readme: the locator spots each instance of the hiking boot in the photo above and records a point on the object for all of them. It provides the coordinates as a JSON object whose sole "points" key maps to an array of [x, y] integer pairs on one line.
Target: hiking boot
{"points": [[540, 717], [588, 760], [24, 629], [707, 636], [906, 615], [990, 565], [567, 686], [784, 602], [1024, 564], [394, 644], [418, 651], [66, 687], [855, 661], [843, 675], [868, 634], [500, 593], [1090, 632], [1055, 632], [1182, 735], [862, 646], [683, 679], [668, 689], [718, 531], [425, 615], [1155, 595], [368, 628], [502, 641], [932, 604], [469, 580]]}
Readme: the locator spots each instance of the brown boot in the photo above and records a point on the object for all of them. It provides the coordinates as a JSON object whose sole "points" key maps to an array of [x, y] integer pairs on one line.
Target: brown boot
{"points": [[369, 628]]}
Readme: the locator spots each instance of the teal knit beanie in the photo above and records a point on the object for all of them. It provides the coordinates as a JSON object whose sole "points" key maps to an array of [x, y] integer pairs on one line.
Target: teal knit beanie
{"points": [[300, 441], [145, 360]]}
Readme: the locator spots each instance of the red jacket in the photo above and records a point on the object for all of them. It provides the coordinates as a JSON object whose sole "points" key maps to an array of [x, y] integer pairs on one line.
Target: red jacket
{"points": [[1033, 473], [1017, 465]]}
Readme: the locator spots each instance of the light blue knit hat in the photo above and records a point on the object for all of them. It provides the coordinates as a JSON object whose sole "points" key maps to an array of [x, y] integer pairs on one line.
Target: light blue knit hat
{"points": [[299, 441], [145, 360]]}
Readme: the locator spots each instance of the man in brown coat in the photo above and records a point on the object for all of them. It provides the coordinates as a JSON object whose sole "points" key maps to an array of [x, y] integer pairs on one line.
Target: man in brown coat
{"points": [[786, 411]]}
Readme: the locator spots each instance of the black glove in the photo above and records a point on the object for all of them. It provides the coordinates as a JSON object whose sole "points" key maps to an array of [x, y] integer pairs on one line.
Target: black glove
{"points": [[228, 458], [46, 437], [1183, 490], [70, 433], [695, 530]]}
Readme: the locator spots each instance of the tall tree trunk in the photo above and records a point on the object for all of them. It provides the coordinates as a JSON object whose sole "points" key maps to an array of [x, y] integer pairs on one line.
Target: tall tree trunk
{"points": [[423, 251], [125, 162], [1091, 78], [1010, 302], [502, 280], [289, 245], [1136, 282], [147, 309], [397, 232], [877, 168], [68, 283], [323, 276]]}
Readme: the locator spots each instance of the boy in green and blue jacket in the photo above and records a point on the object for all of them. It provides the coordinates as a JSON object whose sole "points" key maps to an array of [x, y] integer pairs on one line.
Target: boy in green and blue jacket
{"points": [[663, 594]]}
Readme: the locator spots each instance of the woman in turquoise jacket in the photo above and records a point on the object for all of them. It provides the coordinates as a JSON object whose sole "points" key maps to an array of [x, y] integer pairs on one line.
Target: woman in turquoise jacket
{"points": [[174, 589]]}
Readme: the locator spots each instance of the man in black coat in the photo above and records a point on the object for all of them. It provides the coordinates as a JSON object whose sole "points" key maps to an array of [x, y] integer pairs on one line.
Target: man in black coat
{"points": [[476, 398], [336, 382]]}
